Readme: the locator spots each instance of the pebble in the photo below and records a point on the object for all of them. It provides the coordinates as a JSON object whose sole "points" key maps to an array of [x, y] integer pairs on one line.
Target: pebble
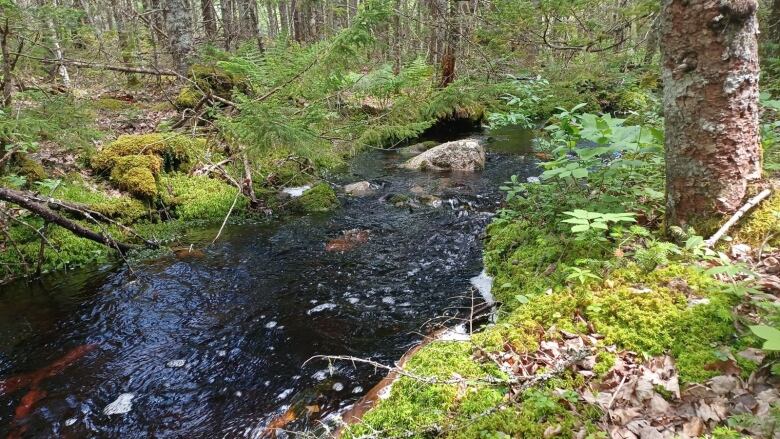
{"points": [[175, 363], [123, 404]]}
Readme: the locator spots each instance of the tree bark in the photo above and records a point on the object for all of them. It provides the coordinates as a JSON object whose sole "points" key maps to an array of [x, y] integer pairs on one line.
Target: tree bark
{"points": [[228, 26], [249, 24], [451, 38], [179, 24], [710, 77], [774, 23], [209, 17]]}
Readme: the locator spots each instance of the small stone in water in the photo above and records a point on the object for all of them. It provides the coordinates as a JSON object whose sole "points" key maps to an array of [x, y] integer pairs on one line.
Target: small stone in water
{"points": [[338, 387], [357, 389], [320, 308], [175, 363], [239, 394], [271, 324], [123, 404]]}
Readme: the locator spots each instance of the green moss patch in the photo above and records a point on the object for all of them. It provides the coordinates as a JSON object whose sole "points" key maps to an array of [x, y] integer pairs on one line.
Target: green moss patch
{"points": [[134, 162], [200, 198], [320, 198]]}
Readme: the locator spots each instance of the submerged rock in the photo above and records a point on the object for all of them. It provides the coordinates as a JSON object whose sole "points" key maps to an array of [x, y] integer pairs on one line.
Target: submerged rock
{"points": [[123, 404], [348, 240], [359, 189], [460, 155]]}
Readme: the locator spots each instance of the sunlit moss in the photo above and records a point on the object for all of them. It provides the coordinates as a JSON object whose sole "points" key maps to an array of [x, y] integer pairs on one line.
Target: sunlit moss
{"points": [[320, 198], [199, 197], [761, 224]]}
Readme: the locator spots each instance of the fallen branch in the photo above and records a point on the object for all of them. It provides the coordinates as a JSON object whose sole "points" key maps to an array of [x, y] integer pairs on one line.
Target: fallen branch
{"points": [[123, 69], [28, 202], [238, 194], [739, 214]]}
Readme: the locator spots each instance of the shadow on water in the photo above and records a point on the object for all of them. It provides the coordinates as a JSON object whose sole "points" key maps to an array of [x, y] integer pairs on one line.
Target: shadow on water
{"points": [[215, 343]]}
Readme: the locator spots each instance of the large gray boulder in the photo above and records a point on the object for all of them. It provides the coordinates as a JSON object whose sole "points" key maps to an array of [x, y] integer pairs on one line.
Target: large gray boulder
{"points": [[460, 155]]}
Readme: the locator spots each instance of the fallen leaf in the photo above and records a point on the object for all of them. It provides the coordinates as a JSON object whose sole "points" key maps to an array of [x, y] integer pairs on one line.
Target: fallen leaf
{"points": [[693, 428]]}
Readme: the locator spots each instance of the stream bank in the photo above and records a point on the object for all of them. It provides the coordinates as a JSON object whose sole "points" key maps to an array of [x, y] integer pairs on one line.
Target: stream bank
{"points": [[214, 341]]}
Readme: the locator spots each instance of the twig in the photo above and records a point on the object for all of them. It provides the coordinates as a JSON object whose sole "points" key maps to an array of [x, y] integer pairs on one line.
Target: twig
{"points": [[238, 193], [733, 220]]}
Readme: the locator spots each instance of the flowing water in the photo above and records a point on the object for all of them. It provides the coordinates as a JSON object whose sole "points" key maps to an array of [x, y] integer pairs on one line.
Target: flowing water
{"points": [[212, 344]]}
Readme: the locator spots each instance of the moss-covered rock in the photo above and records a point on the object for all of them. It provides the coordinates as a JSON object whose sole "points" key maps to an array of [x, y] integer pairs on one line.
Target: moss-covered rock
{"points": [[29, 168], [135, 161], [208, 78], [188, 98], [320, 198]]}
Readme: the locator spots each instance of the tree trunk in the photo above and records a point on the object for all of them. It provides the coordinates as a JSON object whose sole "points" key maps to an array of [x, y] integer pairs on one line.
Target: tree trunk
{"points": [[273, 26], [249, 25], [228, 28], [125, 44], [451, 37], [179, 34], [774, 23], [284, 19], [710, 77], [209, 17]]}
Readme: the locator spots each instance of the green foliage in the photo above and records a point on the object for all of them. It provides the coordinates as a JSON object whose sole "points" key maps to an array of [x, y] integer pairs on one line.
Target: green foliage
{"points": [[584, 221], [522, 103], [770, 335], [61, 119], [199, 198]]}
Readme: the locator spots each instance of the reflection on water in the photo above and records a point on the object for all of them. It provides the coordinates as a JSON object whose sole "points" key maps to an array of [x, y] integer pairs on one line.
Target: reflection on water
{"points": [[215, 343]]}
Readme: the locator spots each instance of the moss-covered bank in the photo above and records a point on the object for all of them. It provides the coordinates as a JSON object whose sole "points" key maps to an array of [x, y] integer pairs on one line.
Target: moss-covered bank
{"points": [[671, 306]]}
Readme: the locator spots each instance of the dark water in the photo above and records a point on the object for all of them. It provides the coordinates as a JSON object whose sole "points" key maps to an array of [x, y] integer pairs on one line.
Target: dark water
{"points": [[245, 315]]}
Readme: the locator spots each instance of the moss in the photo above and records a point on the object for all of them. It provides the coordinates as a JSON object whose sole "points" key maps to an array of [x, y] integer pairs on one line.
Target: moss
{"points": [[632, 100], [761, 223], [320, 198], [199, 197], [188, 98], [413, 406], [111, 104], [138, 181], [135, 161], [29, 168], [124, 208], [604, 362]]}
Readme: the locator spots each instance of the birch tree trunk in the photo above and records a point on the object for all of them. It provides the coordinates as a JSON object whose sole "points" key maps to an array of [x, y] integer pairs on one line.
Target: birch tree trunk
{"points": [[710, 77]]}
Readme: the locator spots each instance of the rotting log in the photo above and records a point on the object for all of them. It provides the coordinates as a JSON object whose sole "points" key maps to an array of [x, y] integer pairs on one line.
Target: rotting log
{"points": [[30, 202]]}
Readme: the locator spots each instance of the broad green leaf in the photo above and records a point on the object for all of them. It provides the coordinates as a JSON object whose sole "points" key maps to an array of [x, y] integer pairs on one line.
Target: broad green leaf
{"points": [[769, 334], [580, 228]]}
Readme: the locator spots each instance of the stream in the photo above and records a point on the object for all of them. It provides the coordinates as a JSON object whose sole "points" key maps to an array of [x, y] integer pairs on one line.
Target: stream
{"points": [[212, 344]]}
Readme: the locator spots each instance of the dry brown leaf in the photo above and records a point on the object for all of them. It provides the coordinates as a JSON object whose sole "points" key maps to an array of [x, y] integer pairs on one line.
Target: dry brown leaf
{"points": [[723, 384], [624, 415], [552, 430], [693, 428], [727, 367]]}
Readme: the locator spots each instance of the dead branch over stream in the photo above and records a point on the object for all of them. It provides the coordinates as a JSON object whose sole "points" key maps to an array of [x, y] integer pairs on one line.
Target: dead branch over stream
{"points": [[47, 208]]}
